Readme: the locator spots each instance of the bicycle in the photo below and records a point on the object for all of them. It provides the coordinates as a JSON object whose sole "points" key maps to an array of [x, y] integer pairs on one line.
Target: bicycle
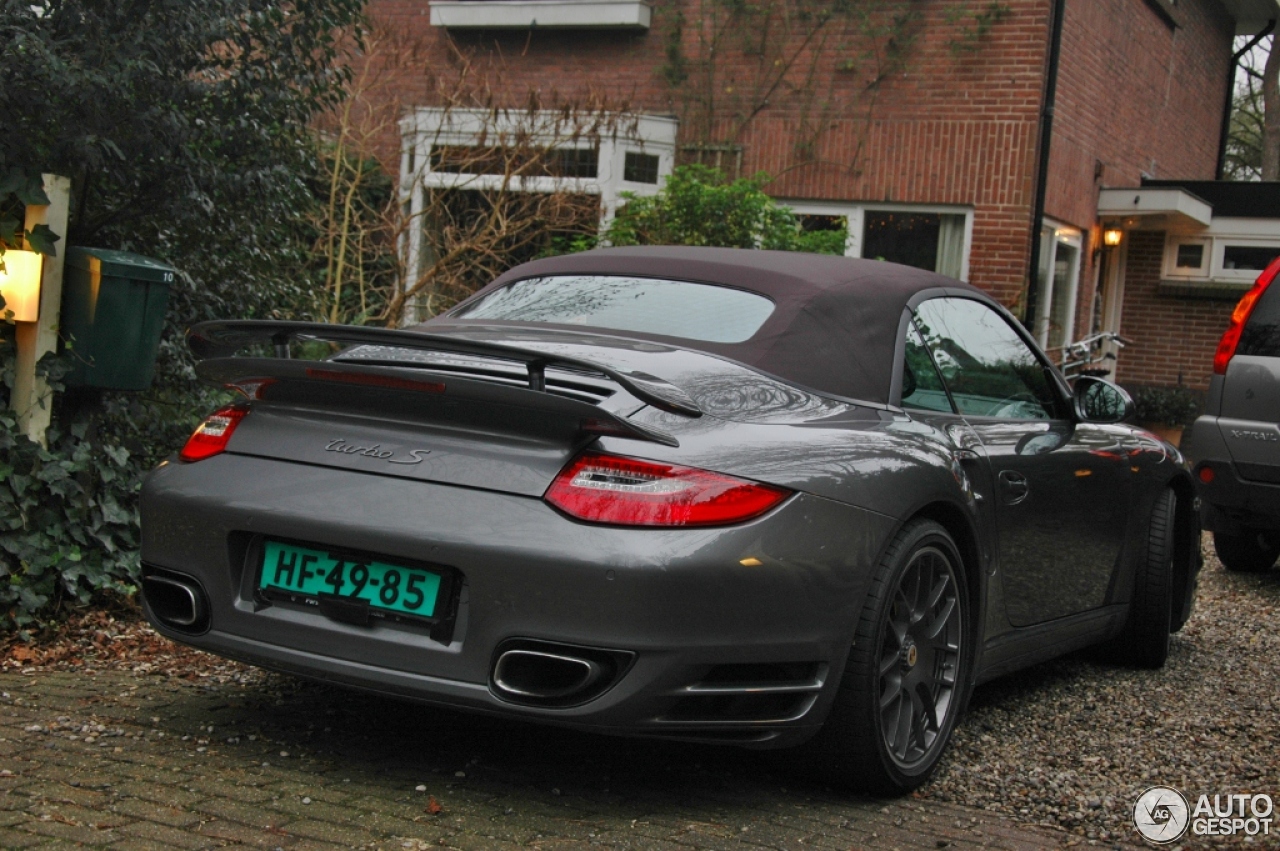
{"points": [[1076, 357]]}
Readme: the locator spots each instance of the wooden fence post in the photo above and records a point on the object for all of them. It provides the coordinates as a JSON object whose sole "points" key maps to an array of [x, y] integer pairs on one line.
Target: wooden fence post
{"points": [[31, 399]]}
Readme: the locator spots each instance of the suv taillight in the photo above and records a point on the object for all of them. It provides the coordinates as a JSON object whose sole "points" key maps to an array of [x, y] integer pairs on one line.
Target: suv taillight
{"points": [[631, 492], [1240, 316], [211, 436]]}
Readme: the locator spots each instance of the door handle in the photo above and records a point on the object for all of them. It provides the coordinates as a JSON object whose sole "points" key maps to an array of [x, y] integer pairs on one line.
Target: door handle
{"points": [[1014, 487]]}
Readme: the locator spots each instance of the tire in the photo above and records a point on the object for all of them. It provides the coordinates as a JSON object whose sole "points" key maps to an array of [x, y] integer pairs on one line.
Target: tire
{"points": [[1249, 552], [907, 675], [1144, 643]]}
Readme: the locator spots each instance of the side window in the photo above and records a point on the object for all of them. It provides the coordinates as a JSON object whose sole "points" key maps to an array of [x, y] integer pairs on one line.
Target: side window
{"points": [[987, 367], [1261, 335], [921, 385]]}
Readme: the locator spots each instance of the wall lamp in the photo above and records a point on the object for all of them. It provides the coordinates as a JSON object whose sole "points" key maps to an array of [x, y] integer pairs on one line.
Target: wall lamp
{"points": [[20, 285], [1111, 237]]}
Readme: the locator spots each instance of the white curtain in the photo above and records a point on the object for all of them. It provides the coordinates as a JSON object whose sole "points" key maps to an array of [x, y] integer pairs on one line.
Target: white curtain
{"points": [[950, 259]]}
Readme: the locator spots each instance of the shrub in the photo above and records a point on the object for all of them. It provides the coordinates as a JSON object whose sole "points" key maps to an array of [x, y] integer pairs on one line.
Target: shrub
{"points": [[184, 128], [1168, 406], [698, 206]]}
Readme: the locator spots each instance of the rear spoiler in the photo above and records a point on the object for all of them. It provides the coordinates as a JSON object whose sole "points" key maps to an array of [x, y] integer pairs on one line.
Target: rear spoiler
{"points": [[215, 344]]}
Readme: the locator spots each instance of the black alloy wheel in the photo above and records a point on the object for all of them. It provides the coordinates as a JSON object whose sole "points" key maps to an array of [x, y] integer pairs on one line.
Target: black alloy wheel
{"points": [[919, 657], [907, 676]]}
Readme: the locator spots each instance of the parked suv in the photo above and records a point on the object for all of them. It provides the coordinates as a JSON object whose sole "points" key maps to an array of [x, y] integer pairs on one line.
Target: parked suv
{"points": [[1235, 447]]}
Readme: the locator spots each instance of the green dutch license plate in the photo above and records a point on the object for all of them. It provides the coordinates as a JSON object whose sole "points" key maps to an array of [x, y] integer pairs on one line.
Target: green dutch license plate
{"points": [[317, 573]]}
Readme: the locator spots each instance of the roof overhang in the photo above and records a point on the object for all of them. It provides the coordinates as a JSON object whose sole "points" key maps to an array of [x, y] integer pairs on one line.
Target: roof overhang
{"points": [[1252, 16], [1167, 207]]}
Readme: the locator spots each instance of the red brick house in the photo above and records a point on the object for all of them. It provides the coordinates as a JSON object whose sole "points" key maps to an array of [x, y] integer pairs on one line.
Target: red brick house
{"points": [[974, 138], [1189, 250]]}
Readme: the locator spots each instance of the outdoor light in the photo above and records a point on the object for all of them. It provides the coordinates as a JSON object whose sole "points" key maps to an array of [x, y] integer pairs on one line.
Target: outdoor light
{"points": [[20, 285], [1112, 236]]}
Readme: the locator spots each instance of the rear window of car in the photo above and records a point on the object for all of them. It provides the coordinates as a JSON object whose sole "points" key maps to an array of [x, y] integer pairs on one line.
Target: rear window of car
{"points": [[684, 309], [1261, 335]]}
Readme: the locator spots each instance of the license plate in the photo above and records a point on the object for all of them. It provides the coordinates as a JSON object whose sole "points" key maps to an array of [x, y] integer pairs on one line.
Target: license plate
{"points": [[348, 579]]}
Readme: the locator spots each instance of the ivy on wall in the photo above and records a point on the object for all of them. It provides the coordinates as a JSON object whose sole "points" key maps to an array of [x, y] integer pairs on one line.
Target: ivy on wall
{"points": [[729, 61]]}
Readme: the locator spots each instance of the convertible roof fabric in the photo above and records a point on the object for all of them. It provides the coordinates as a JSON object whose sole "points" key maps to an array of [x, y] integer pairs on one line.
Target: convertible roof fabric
{"points": [[835, 321]]}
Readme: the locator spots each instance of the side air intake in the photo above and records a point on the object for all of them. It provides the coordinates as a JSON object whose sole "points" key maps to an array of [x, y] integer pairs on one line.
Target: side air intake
{"points": [[770, 693]]}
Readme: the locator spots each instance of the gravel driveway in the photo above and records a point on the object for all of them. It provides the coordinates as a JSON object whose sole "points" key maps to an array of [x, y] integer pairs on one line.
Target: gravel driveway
{"points": [[1074, 742], [1063, 749]]}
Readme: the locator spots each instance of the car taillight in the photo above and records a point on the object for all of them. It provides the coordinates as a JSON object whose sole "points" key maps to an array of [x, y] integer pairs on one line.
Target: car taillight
{"points": [[1231, 339], [211, 436], [630, 492]]}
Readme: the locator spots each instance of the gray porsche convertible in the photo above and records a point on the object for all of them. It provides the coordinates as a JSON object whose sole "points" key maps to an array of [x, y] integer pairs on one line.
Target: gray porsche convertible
{"points": [[748, 497]]}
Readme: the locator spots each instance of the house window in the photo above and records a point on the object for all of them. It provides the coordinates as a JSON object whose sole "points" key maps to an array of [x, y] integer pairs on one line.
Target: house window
{"points": [[1057, 283], [817, 223], [907, 238], [725, 158], [935, 238], [640, 168], [533, 162], [1218, 259], [1248, 258], [459, 166], [1187, 257], [932, 241], [543, 14], [575, 162], [1190, 256], [823, 234]]}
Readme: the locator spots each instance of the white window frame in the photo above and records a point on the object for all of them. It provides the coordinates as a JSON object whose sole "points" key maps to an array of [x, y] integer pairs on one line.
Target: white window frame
{"points": [[1221, 232], [1246, 276], [543, 14], [855, 217], [426, 127], [1171, 245], [1053, 234]]}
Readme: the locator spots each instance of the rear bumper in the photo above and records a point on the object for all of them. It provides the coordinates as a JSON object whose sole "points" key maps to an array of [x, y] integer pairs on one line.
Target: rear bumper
{"points": [[680, 600], [1238, 496]]}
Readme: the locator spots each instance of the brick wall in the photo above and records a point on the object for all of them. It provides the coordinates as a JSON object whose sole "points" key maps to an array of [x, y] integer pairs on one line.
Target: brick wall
{"points": [[954, 127], [1173, 339], [949, 127], [1135, 96]]}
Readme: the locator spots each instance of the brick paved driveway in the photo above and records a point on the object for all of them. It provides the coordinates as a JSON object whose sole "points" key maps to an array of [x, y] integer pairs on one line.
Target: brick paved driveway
{"points": [[128, 761]]}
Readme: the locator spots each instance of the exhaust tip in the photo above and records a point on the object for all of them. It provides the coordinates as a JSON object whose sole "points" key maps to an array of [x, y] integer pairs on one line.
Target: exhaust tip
{"points": [[545, 676], [175, 601], [545, 673]]}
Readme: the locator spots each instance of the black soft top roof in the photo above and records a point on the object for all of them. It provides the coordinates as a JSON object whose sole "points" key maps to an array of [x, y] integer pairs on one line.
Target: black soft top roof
{"points": [[834, 326]]}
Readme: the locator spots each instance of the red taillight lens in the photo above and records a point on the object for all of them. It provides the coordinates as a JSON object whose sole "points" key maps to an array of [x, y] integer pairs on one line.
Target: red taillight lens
{"points": [[1239, 316], [630, 492], [211, 436]]}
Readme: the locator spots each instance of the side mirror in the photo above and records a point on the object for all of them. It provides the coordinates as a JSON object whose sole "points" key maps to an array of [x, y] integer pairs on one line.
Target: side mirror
{"points": [[1100, 401]]}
